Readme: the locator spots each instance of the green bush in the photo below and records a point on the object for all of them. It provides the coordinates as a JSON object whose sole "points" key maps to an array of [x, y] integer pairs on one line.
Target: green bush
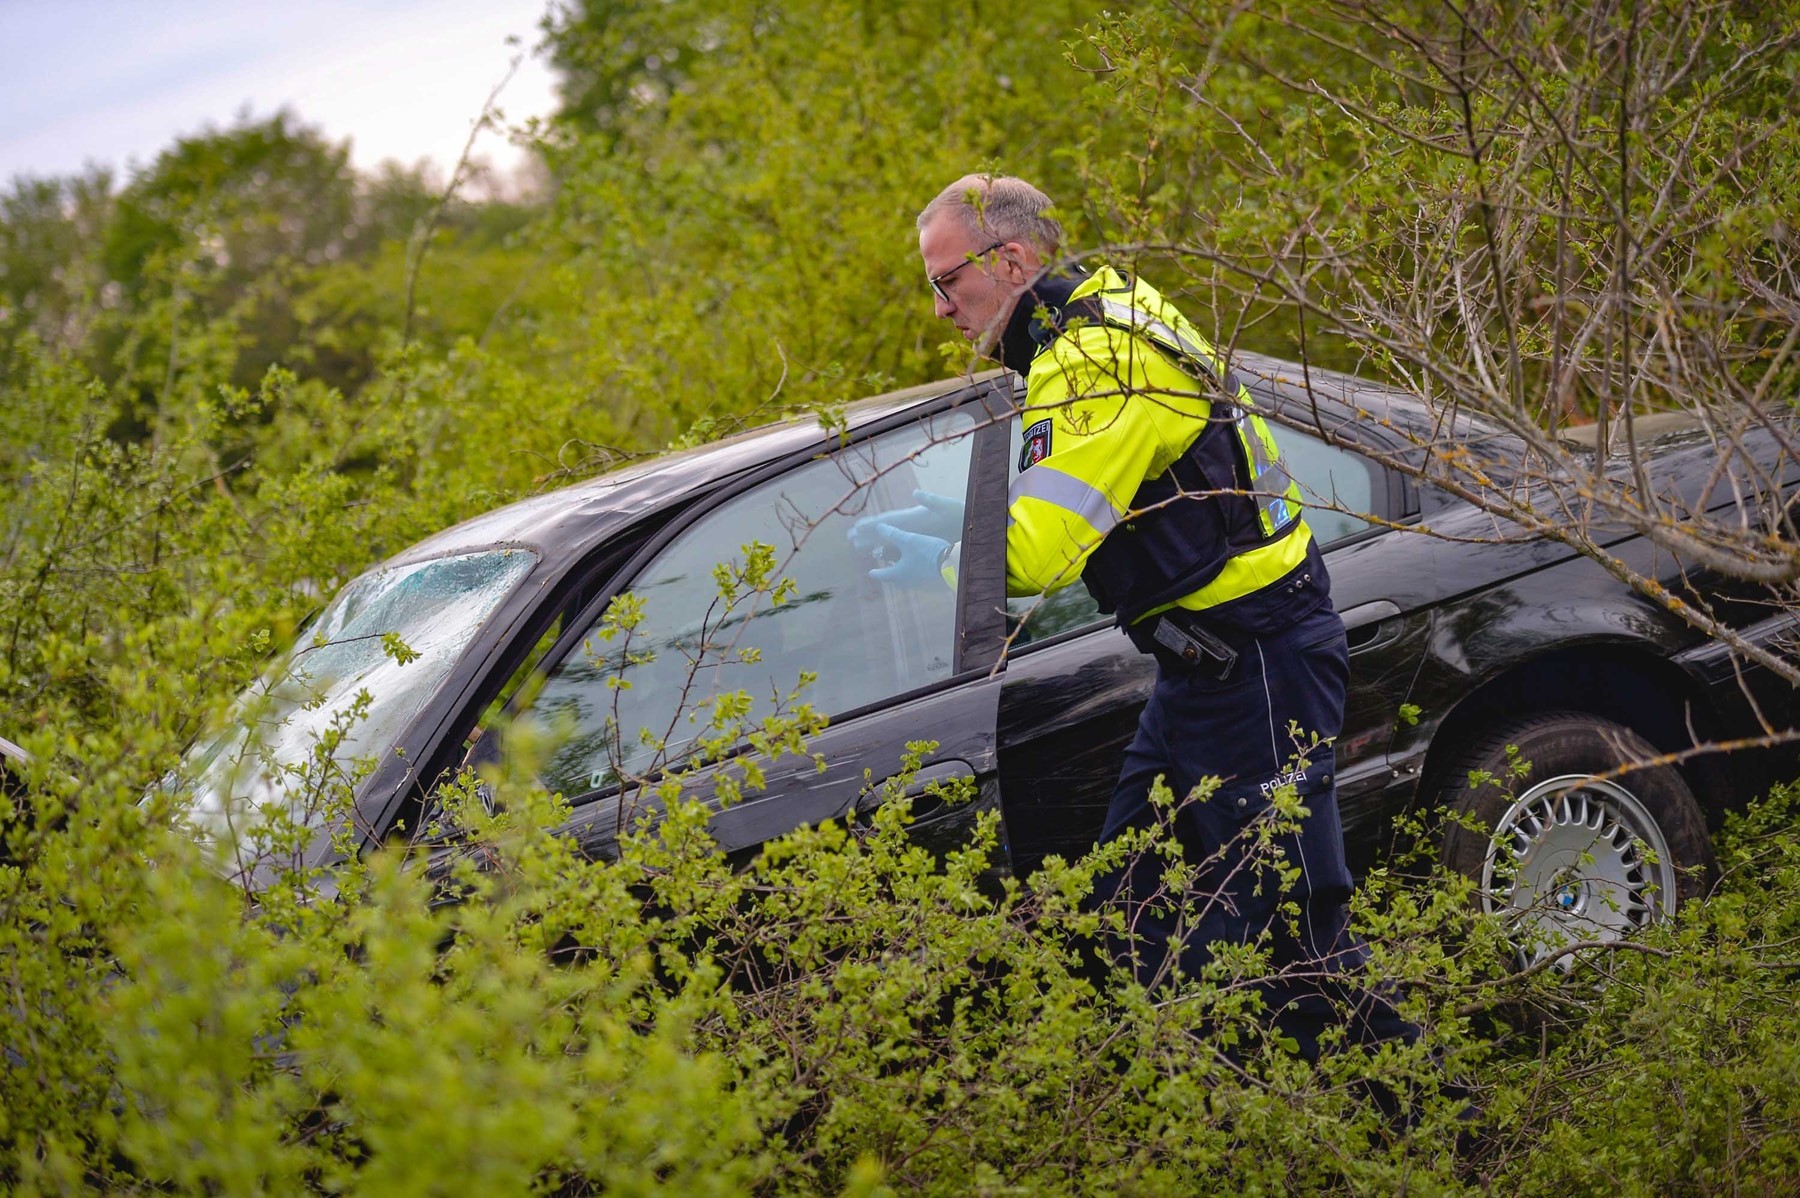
{"points": [[846, 1015]]}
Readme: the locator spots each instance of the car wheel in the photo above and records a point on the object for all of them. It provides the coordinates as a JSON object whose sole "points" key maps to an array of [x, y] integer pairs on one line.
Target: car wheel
{"points": [[1570, 852]]}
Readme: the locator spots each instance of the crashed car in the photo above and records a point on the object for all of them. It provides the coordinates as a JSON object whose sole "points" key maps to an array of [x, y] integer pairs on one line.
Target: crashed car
{"points": [[1472, 648]]}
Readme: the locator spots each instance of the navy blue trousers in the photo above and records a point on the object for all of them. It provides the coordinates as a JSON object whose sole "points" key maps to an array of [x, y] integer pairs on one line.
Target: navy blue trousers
{"points": [[1269, 724]]}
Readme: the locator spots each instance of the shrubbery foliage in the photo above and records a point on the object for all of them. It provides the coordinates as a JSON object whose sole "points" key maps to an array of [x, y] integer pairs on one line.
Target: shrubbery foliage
{"points": [[847, 1015], [215, 408]]}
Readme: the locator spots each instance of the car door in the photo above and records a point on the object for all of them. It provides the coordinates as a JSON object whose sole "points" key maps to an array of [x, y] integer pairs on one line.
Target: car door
{"points": [[710, 656], [1075, 684]]}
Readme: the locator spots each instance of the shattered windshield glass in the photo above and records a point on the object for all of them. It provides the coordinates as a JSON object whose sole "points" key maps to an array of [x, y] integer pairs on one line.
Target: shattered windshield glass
{"points": [[331, 705]]}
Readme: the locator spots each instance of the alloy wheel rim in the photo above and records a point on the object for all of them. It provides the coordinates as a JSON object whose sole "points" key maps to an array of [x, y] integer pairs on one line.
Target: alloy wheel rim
{"points": [[1573, 859]]}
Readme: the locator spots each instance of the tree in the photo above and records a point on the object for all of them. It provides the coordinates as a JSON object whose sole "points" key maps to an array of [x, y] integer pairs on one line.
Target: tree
{"points": [[1545, 215], [50, 281], [742, 215], [618, 59]]}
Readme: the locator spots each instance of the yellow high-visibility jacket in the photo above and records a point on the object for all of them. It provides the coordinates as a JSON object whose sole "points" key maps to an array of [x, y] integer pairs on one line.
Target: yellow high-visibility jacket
{"points": [[1108, 408]]}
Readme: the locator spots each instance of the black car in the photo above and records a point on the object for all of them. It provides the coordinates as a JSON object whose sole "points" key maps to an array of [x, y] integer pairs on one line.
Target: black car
{"points": [[1464, 642]]}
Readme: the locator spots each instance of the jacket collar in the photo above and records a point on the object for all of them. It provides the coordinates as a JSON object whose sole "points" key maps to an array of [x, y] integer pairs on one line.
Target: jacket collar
{"points": [[1027, 332]]}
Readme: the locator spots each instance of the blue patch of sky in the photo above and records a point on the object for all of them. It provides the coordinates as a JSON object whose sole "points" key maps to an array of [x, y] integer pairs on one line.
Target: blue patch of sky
{"points": [[116, 81]]}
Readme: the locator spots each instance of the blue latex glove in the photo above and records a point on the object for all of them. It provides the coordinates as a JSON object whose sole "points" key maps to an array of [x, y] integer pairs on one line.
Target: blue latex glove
{"points": [[933, 515], [913, 559]]}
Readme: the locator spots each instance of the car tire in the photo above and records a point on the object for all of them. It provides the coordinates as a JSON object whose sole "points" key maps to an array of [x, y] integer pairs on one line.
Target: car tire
{"points": [[1563, 852]]}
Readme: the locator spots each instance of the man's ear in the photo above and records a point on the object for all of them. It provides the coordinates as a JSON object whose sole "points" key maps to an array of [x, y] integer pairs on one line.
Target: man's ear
{"points": [[1019, 268]]}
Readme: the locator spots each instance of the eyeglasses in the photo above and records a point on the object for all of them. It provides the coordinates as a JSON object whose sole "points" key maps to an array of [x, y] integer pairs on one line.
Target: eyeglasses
{"points": [[937, 281]]}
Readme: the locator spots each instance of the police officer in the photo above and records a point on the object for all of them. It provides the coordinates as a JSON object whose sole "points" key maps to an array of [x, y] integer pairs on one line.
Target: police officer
{"points": [[1146, 472]]}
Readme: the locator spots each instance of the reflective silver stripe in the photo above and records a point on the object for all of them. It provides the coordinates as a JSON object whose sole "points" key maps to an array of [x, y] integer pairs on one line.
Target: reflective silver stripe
{"points": [[1273, 503], [1141, 321], [1171, 339], [1269, 478], [1043, 481]]}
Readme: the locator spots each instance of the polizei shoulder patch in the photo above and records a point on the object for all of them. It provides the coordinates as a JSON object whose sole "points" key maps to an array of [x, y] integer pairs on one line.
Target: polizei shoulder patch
{"points": [[1037, 445]]}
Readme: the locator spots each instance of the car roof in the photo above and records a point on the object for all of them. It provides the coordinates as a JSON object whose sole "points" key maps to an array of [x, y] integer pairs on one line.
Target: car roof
{"points": [[575, 515], [578, 515], [1358, 399]]}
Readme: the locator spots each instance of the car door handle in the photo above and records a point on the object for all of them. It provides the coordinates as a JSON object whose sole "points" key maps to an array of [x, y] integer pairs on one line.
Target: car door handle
{"points": [[924, 806], [1372, 625]]}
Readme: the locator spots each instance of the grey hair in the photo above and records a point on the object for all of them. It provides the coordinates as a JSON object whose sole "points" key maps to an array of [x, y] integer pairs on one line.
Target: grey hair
{"points": [[998, 208]]}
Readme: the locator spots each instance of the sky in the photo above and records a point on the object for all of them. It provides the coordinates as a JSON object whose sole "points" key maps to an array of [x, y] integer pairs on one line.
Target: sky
{"points": [[116, 81]]}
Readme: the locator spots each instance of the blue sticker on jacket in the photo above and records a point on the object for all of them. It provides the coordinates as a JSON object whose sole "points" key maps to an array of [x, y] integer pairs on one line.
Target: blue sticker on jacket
{"points": [[1037, 445]]}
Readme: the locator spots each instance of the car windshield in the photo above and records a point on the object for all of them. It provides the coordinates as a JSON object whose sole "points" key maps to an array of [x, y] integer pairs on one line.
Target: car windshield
{"points": [[355, 677]]}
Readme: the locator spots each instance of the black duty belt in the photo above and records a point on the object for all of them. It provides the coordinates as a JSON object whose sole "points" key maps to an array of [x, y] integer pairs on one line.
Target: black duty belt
{"points": [[1176, 639]]}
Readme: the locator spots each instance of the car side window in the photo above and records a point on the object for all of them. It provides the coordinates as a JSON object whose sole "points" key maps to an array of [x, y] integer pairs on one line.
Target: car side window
{"points": [[636, 702], [1337, 486]]}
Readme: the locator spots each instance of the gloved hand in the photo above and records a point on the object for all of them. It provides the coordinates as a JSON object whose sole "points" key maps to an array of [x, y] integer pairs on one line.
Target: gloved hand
{"points": [[933, 515], [912, 559]]}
